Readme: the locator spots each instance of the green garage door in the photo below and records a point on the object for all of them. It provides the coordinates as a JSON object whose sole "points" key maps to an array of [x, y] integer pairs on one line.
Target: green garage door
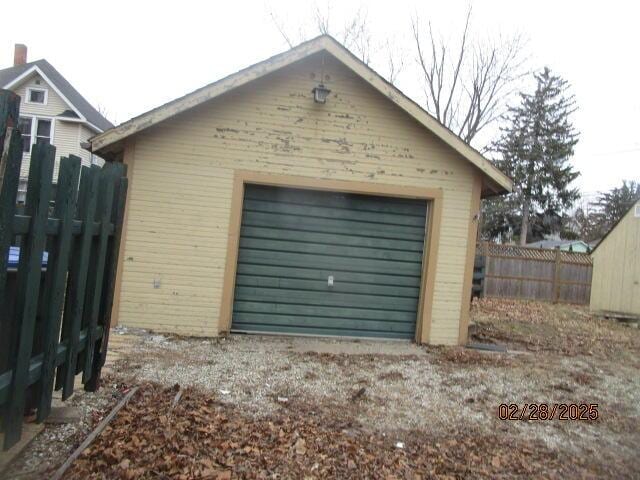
{"points": [[325, 263]]}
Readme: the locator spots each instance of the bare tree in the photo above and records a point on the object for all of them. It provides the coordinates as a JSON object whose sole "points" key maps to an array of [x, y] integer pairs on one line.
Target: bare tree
{"points": [[466, 87]]}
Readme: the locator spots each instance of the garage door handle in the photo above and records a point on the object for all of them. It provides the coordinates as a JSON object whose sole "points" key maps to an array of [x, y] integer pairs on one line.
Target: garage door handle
{"points": [[330, 280]]}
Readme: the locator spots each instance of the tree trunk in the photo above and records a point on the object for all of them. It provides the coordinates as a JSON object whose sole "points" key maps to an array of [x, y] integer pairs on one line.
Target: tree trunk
{"points": [[524, 228]]}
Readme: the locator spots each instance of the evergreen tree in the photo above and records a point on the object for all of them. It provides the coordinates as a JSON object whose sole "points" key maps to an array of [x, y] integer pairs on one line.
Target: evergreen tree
{"points": [[534, 150], [612, 205]]}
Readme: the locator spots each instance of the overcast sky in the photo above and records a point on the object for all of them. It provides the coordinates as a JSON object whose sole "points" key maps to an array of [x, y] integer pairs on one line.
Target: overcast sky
{"points": [[128, 57]]}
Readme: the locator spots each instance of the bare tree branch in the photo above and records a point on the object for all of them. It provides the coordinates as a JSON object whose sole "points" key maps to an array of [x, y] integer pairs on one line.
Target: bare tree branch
{"points": [[467, 90], [278, 24]]}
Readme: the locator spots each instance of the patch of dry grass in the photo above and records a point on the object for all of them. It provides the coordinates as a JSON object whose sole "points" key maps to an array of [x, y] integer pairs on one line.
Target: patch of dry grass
{"points": [[565, 329]]}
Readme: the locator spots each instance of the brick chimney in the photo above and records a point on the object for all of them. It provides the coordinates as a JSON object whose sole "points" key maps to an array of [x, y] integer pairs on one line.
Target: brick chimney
{"points": [[19, 54]]}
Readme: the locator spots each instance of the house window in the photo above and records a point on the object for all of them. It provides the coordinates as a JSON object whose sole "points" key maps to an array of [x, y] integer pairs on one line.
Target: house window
{"points": [[43, 131], [34, 130], [37, 95], [25, 128]]}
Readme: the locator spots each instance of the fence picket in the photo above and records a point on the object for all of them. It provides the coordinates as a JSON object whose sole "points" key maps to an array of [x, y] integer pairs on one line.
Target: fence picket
{"points": [[29, 272], [94, 298], [58, 265], [117, 217], [10, 159], [87, 200], [9, 114]]}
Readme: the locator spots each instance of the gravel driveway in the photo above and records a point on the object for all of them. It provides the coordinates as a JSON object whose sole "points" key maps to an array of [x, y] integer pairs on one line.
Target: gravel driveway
{"points": [[397, 386], [421, 397]]}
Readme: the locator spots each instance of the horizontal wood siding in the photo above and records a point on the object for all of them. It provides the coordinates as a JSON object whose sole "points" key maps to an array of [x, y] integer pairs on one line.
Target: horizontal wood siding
{"points": [[55, 104], [616, 269], [66, 138], [183, 169]]}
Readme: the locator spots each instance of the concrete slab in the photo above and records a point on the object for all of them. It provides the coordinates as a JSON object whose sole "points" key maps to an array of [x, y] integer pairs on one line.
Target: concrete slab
{"points": [[341, 346], [63, 414]]}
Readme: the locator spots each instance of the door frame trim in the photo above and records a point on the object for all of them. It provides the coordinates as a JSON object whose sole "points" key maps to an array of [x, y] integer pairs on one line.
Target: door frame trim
{"points": [[430, 252]]}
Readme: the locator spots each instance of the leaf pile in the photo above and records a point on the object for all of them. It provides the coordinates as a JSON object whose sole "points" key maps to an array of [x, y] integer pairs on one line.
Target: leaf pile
{"points": [[545, 327], [461, 356], [200, 437]]}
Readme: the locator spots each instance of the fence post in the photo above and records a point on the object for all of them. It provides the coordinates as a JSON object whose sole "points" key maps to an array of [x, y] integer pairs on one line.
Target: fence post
{"points": [[485, 253], [556, 276]]}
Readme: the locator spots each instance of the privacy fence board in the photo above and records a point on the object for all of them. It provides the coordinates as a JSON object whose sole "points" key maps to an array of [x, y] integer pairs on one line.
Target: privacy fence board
{"points": [[55, 315], [536, 274]]}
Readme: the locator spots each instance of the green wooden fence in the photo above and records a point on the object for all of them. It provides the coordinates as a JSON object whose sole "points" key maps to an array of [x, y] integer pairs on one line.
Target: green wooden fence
{"points": [[54, 321]]}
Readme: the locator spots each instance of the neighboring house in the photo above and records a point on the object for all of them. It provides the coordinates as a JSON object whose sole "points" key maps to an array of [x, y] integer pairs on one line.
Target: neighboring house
{"points": [[577, 246], [615, 284], [302, 195], [51, 111]]}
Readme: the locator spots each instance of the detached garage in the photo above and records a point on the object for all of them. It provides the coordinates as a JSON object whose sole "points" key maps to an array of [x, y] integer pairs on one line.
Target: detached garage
{"points": [[302, 195]]}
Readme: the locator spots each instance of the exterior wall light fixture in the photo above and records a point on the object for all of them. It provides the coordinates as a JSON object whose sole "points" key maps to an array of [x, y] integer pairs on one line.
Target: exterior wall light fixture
{"points": [[320, 93]]}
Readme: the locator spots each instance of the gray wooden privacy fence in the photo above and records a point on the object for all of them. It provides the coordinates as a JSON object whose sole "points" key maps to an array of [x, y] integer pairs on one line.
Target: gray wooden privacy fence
{"points": [[54, 318], [537, 274]]}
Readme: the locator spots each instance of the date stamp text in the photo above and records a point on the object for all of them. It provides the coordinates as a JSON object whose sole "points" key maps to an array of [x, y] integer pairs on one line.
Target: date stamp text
{"points": [[546, 411]]}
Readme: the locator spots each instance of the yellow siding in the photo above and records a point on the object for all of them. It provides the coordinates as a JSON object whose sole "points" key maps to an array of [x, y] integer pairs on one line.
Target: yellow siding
{"points": [[616, 269], [182, 175]]}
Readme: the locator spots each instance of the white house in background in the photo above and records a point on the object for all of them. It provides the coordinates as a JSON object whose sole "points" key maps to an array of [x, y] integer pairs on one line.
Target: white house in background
{"points": [[51, 111]]}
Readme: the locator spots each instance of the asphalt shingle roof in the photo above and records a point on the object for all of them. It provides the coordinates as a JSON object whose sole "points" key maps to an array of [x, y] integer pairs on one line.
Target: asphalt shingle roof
{"points": [[94, 117]]}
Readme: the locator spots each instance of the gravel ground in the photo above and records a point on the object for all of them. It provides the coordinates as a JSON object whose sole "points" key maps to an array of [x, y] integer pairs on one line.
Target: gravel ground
{"points": [[56, 442], [428, 389], [556, 355]]}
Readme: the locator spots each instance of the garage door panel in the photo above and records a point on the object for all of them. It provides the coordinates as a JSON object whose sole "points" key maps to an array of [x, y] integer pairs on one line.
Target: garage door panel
{"points": [[318, 311], [312, 273], [256, 320], [329, 262], [294, 223], [337, 200], [316, 330], [332, 299], [348, 240], [333, 213], [321, 286], [294, 245], [292, 241]]}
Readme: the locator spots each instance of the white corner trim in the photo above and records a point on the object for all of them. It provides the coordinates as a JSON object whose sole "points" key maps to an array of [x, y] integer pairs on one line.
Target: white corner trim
{"points": [[36, 69]]}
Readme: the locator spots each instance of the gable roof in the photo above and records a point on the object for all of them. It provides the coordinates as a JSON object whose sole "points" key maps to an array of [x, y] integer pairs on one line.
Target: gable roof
{"points": [[500, 183], [637, 202], [12, 76]]}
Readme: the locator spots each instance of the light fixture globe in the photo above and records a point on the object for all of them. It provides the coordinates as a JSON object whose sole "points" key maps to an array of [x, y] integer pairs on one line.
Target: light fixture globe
{"points": [[320, 93]]}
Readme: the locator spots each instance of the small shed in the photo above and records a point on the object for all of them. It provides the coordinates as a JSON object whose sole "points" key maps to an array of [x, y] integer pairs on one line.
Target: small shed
{"points": [[302, 195], [615, 287]]}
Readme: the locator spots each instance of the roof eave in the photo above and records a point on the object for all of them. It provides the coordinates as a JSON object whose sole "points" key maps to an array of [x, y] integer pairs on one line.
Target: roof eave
{"points": [[137, 124]]}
